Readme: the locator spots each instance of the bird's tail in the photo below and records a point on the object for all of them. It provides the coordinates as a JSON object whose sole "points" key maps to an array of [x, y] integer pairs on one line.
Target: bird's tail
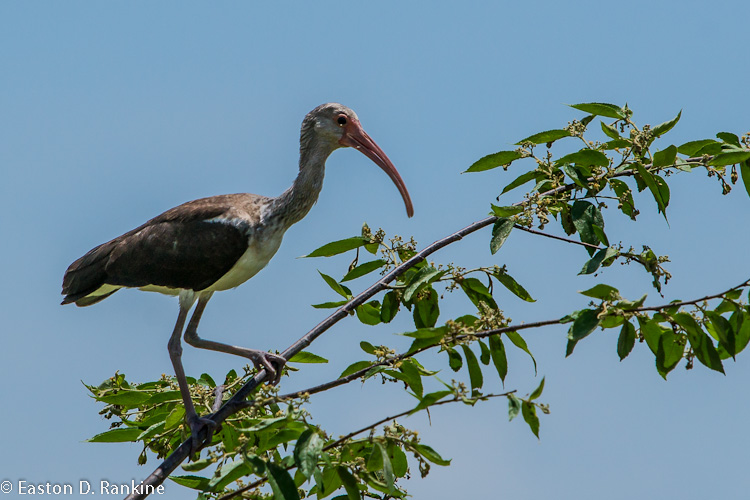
{"points": [[87, 275]]}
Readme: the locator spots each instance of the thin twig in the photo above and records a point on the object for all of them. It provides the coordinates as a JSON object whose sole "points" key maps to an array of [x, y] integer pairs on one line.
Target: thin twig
{"points": [[547, 235]]}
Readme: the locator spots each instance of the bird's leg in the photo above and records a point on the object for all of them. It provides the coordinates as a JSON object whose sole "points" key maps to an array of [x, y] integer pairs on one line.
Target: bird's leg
{"points": [[272, 363], [195, 422]]}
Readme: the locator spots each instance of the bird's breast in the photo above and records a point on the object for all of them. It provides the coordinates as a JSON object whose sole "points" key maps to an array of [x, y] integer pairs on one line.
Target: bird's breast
{"points": [[261, 248]]}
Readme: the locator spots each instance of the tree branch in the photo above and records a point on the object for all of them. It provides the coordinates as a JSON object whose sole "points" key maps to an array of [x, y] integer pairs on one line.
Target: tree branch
{"points": [[237, 402]]}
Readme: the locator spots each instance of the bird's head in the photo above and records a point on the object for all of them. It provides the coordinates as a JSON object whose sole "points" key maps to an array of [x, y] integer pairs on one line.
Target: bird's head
{"points": [[339, 126]]}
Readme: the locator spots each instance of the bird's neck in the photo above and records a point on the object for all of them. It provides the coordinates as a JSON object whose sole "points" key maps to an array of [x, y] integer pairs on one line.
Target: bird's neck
{"points": [[294, 203]]}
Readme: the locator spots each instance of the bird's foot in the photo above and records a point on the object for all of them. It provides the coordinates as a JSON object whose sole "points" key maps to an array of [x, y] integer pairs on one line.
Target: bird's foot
{"points": [[272, 363], [197, 424]]}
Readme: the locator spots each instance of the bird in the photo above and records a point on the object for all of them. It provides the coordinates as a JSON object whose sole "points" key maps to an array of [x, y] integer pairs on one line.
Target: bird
{"points": [[217, 243]]}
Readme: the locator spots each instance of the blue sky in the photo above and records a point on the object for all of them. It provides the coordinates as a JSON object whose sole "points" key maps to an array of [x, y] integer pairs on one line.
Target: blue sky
{"points": [[111, 113]]}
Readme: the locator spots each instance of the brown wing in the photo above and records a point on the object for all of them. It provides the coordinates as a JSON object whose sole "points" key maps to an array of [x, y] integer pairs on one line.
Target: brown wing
{"points": [[177, 249]]}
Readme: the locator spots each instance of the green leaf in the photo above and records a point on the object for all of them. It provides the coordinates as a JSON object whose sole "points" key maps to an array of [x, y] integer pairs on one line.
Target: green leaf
{"points": [[336, 287], [700, 342], [327, 482], [126, 398], [281, 483], [427, 333], [585, 157], [745, 171], [603, 292], [500, 232], [367, 347], [585, 215], [355, 367], [668, 353], [151, 431], [586, 322], [499, 358], [514, 406], [454, 359], [657, 186], [626, 340], [363, 269], [729, 158], [692, 147], [398, 459], [475, 372], [412, 377], [520, 181], [511, 284], [610, 131], [430, 399], [485, 355], [369, 313], [430, 454], [546, 137], [519, 342], [528, 410], [205, 379], [164, 397], [350, 484], [426, 309], [572, 172], [389, 307], [599, 233], [422, 278], [506, 211], [616, 144], [193, 482], [175, 417], [390, 479], [625, 195], [593, 264], [538, 391], [724, 331], [477, 292], [197, 465], [601, 109], [306, 452], [337, 247], [229, 472], [729, 138], [307, 357], [666, 157], [494, 160], [742, 337], [665, 127], [330, 305], [117, 436]]}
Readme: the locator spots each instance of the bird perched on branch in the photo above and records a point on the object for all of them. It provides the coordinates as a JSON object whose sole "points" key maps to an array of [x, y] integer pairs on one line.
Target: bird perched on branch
{"points": [[217, 243]]}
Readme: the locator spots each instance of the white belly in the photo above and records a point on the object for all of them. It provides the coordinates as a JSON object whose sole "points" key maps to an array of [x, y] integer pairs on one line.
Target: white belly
{"points": [[255, 258]]}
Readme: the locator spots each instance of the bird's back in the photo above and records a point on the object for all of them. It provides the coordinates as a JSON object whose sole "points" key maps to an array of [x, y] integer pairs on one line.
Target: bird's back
{"points": [[188, 247]]}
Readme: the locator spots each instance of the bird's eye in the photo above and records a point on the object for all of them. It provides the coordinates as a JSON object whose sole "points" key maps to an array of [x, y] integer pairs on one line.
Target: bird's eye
{"points": [[341, 120]]}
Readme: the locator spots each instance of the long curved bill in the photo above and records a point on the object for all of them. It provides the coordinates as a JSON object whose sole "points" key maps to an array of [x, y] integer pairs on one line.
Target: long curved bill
{"points": [[355, 137]]}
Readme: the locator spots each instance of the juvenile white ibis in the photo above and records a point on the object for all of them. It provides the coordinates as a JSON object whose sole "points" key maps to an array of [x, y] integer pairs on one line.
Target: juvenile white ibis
{"points": [[218, 243]]}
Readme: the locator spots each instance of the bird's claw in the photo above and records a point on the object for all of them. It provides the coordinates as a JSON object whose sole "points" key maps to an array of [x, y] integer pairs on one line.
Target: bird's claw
{"points": [[266, 360], [197, 424]]}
